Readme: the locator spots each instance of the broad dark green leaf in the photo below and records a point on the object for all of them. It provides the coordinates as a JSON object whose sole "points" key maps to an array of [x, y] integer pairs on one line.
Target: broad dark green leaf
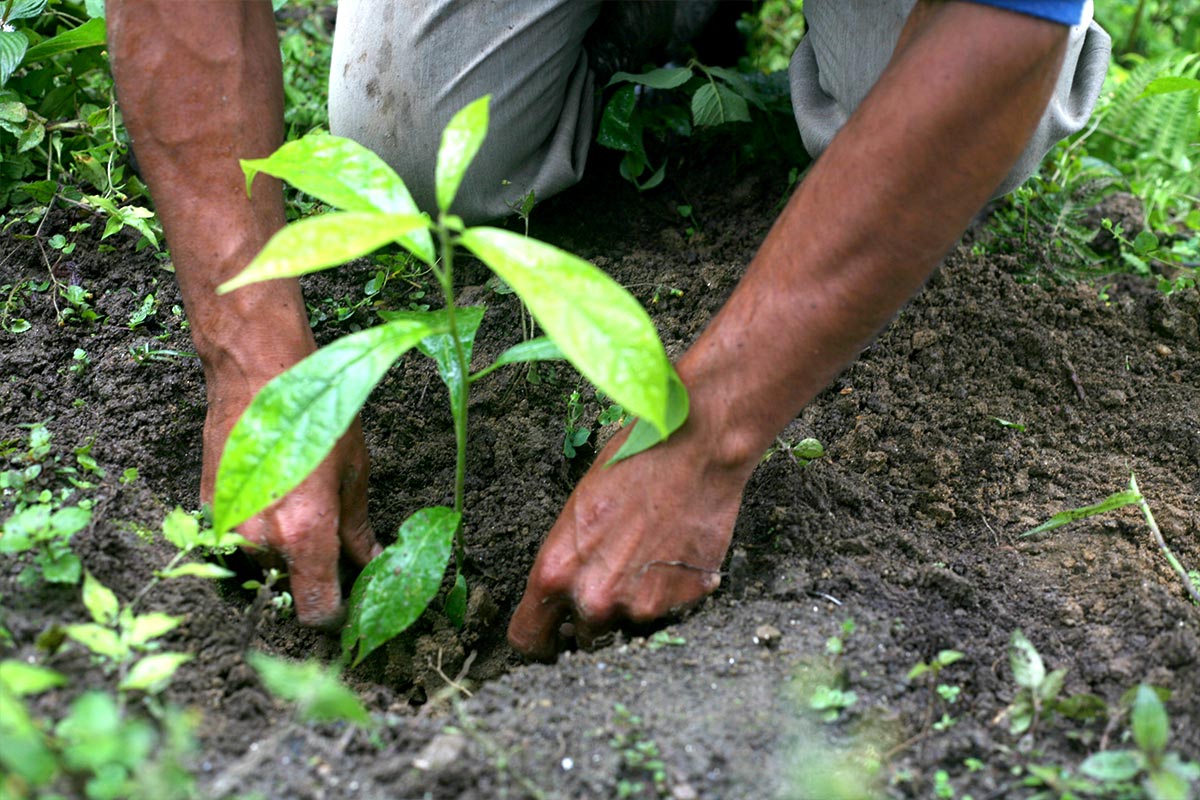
{"points": [[323, 241], [1114, 501], [599, 326], [396, 587], [89, 34], [25, 679], [24, 9], [1113, 765], [440, 346], [12, 49], [661, 78], [296, 419], [716, 104], [617, 128], [644, 435], [342, 173], [1028, 669], [316, 690], [1150, 726], [461, 140], [738, 83]]}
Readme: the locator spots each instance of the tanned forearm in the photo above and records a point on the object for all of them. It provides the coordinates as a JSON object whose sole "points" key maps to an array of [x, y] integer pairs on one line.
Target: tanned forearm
{"points": [[887, 200], [200, 87]]}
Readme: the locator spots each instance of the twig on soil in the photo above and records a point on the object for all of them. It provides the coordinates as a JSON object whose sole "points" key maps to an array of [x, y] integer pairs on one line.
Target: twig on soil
{"points": [[1074, 376], [454, 683], [825, 596]]}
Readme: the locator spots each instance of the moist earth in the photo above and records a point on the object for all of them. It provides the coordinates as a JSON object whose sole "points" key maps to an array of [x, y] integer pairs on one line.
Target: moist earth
{"points": [[909, 526]]}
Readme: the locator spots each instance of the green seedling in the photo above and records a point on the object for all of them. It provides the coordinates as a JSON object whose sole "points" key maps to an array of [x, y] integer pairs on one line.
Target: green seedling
{"points": [[836, 645], [125, 640], [830, 701], [644, 771], [803, 452], [296, 420], [46, 532], [931, 672], [1162, 775], [660, 639], [576, 433], [1038, 694], [314, 689], [1132, 496], [144, 312]]}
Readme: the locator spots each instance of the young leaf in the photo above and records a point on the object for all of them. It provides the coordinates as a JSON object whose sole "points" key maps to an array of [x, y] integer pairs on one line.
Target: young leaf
{"points": [[153, 673], [60, 567], [1150, 727], [89, 34], [1114, 501], [67, 522], [541, 348], [1166, 84], [99, 600], [25, 679], [100, 640], [715, 104], [661, 78], [440, 346], [599, 326], [394, 589], [1028, 669], [151, 626], [297, 418], [460, 142], [315, 243], [1163, 785], [1113, 765], [181, 529], [318, 694], [197, 569], [342, 173]]}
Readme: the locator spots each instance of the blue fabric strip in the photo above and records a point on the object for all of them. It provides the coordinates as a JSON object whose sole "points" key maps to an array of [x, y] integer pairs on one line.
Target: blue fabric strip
{"points": [[1067, 12]]}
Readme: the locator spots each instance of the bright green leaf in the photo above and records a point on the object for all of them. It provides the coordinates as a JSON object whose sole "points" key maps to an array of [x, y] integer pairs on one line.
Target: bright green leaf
{"points": [[461, 140], [342, 173], [60, 568], [598, 325], [99, 600], [12, 110], [328, 240], [1110, 503], [394, 589], [1050, 688], [180, 529], [716, 104], [1150, 727], [541, 348], [24, 9], [95, 8], [440, 346], [25, 679], [1028, 669], [810, 449], [154, 672], [197, 569], [1169, 83], [297, 418], [1113, 765], [89, 34], [1164, 785], [644, 436], [661, 78], [318, 694], [151, 626], [68, 521], [31, 137], [100, 640]]}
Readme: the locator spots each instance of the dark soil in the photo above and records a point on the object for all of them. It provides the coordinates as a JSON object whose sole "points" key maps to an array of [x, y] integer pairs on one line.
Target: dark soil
{"points": [[909, 526]]}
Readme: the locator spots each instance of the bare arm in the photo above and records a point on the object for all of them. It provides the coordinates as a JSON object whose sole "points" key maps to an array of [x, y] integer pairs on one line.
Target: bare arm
{"points": [[200, 86], [890, 196]]}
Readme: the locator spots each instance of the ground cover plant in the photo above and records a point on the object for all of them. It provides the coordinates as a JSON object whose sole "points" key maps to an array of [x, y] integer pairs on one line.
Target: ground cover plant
{"points": [[993, 402]]}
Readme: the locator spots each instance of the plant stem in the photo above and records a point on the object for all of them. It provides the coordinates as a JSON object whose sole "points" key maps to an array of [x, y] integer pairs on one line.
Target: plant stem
{"points": [[1162, 544], [458, 391]]}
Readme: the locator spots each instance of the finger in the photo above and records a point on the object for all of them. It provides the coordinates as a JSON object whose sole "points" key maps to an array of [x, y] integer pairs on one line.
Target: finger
{"points": [[313, 575], [587, 633], [354, 527], [533, 631]]}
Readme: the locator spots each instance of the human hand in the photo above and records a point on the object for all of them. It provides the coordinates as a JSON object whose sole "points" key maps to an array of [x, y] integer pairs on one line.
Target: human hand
{"points": [[308, 528], [636, 541]]}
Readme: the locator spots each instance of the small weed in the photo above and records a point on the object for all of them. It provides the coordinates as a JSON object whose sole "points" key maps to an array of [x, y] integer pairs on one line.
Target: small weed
{"points": [[314, 689], [802, 452], [1132, 496], [931, 671], [1038, 694], [576, 434], [643, 772], [660, 639]]}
